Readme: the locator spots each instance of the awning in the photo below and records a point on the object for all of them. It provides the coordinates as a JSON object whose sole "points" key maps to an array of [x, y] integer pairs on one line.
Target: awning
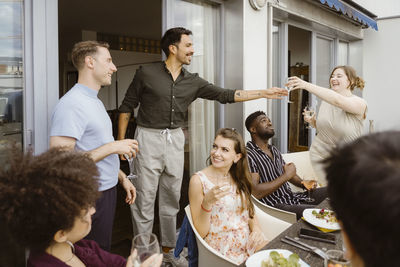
{"points": [[353, 11]]}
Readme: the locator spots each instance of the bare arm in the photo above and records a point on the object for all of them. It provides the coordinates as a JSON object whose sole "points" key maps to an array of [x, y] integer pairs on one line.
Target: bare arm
{"points": [[260, 190], [272, 93], [128, 187], [123, 121], [297, 181], [351, 104], [201, 218], [201, 204], [127, 146]]}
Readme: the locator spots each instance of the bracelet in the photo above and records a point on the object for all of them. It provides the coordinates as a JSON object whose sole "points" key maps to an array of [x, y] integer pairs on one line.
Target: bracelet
{"points": [[206, 210]]}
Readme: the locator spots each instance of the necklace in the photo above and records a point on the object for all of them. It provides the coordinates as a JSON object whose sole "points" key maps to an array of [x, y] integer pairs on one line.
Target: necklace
{"points": [[72, 248]]}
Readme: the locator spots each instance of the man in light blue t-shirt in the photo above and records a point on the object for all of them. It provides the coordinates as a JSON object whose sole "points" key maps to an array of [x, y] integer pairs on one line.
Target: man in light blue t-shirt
{"points": [[80, 121]]}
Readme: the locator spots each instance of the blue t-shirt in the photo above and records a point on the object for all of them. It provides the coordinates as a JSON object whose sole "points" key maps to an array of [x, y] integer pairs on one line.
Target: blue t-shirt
{"points": [[81, 115]]}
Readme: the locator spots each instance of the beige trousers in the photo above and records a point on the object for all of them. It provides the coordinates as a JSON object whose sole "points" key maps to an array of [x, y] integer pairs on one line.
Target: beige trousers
{"points": [[159, 166]]}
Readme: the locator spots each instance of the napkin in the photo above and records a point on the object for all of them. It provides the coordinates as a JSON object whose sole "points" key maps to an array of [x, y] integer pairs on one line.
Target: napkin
{"points": [[321, 229]]}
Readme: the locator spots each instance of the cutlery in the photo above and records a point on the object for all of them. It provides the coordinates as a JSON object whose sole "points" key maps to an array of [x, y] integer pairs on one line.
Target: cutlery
{"points": [[316, 250]]}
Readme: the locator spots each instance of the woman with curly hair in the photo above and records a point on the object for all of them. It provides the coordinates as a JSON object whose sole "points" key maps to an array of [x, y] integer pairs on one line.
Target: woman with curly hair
{"points": [[220, 200], [340, 116], [47, 201]]}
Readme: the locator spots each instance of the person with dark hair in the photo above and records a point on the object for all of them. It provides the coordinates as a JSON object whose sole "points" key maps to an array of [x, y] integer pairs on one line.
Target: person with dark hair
{"points": [[363, 187], [271, 174], [340, 116], [220, 200], [47, 201], [164, 91], [81, 122]]}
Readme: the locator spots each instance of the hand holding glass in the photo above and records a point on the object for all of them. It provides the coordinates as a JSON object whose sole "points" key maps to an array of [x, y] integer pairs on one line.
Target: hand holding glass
{"points": [[308, 112], [146, 245], [309, 185], [289, 90]]}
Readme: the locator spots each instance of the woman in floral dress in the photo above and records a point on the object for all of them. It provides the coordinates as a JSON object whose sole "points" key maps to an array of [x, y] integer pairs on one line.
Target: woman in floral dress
{"points": [[220, 200]]}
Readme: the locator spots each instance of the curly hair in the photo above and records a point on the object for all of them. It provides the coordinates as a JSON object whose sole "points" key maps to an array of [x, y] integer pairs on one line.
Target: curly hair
{"points": [[363, 186], [251, 118], [40, 195], [239, 171]]}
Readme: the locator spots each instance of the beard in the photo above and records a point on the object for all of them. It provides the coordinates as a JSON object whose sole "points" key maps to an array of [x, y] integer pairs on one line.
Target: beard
{"points": [[267, 134]]}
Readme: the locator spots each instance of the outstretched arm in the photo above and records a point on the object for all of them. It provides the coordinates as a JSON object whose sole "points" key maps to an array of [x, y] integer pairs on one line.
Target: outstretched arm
{"points": [[353, 104], [272, 93]]}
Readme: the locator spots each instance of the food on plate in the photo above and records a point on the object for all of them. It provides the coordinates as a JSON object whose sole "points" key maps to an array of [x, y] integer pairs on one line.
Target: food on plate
{"points": [[327, 215], [276, 259]]}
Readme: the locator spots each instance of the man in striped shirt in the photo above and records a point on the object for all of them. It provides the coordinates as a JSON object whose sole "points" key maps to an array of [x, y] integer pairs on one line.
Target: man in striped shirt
{"points": [[270, 174]]}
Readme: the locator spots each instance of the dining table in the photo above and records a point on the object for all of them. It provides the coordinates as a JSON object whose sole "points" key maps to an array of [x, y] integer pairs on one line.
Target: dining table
{"points": [[293, 231]]}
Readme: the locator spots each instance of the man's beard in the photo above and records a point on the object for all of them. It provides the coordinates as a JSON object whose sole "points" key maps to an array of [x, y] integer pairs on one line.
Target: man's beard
{"points": [[267, 134]]}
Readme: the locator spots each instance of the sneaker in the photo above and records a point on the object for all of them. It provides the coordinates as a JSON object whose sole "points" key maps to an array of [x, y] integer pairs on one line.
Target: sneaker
{"points": [[175, 262]]}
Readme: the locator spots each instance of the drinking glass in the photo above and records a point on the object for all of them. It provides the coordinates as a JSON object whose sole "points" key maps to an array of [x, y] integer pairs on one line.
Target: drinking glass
{"points": [[289, 90], [309, 111], [309, 185], [146, 245], [131, 175], [336, 258]]}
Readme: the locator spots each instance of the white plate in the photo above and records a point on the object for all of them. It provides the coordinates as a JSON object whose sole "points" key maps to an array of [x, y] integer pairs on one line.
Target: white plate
{"points": [[256, 259], [309, 217]]}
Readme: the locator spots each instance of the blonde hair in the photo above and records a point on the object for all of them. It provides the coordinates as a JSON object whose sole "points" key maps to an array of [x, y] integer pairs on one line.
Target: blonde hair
{"points": [[355, 81], [83, 49]]}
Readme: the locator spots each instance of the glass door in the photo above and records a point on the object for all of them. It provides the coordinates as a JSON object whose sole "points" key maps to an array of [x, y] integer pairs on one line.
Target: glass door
{"points": [[203, 19], [11, 104], [11, 75]]}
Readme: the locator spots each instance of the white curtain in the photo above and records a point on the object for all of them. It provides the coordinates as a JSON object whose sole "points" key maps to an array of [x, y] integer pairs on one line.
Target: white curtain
{"points": [[201, 19]]}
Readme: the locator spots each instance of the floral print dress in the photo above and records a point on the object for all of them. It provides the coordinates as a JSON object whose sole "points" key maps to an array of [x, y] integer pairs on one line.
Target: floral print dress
{"points": [[229, 227]]}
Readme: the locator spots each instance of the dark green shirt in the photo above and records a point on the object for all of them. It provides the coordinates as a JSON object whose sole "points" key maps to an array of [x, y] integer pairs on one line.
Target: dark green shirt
{"points": [[163, 101]]}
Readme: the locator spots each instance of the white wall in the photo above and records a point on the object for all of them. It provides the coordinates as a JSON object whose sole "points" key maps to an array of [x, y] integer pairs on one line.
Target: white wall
{"points": [[254, 58], [383, 8], [381, 71]]}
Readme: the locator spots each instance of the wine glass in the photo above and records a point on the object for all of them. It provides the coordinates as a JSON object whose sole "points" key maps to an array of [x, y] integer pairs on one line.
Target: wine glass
{"points": [[131, 175], [309, 111], [146, 245], [289, 90], [309, 185], [336, 258]]}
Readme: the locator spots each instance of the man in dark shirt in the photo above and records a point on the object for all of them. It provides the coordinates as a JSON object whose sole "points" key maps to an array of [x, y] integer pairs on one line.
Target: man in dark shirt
{"points": [[271, 174], [164, 91]]}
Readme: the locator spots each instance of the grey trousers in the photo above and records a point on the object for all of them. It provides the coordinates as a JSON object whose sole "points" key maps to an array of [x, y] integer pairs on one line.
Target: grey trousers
{"points": [[159, 165]]}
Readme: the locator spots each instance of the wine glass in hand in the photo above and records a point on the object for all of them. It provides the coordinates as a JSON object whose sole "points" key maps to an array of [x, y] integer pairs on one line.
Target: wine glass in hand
{"points": [[309, 186], [131, 175], [308, 113], [289, 90], [146, 245]]}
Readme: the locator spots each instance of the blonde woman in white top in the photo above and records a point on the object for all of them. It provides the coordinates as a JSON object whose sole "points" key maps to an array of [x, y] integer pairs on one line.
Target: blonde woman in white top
{"points": [[341, 114]]}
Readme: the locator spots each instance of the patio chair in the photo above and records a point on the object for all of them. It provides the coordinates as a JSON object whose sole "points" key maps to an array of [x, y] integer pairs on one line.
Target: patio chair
{"points": [[304, 168], [208, 256], [287, 216]]}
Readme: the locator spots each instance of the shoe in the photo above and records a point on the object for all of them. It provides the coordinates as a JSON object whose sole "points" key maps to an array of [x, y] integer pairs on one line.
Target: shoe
{"points": [[175, 262]]}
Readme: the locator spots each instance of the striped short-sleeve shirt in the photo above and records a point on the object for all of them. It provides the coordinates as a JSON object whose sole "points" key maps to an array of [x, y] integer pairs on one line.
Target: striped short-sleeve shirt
{"points": [[270, 169]]}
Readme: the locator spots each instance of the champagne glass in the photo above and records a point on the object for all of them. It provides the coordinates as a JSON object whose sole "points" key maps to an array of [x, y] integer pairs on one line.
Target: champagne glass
{"points": [[146, 245], [309, 111], [309, 185], [336, 258], [131, 175], [289, 90]]}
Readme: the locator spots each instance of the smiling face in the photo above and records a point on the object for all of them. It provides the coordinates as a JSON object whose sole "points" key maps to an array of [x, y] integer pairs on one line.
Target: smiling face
{"points": [[339, 80], [263, 127], [183, 51], [223, 153], [103, 67]]}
